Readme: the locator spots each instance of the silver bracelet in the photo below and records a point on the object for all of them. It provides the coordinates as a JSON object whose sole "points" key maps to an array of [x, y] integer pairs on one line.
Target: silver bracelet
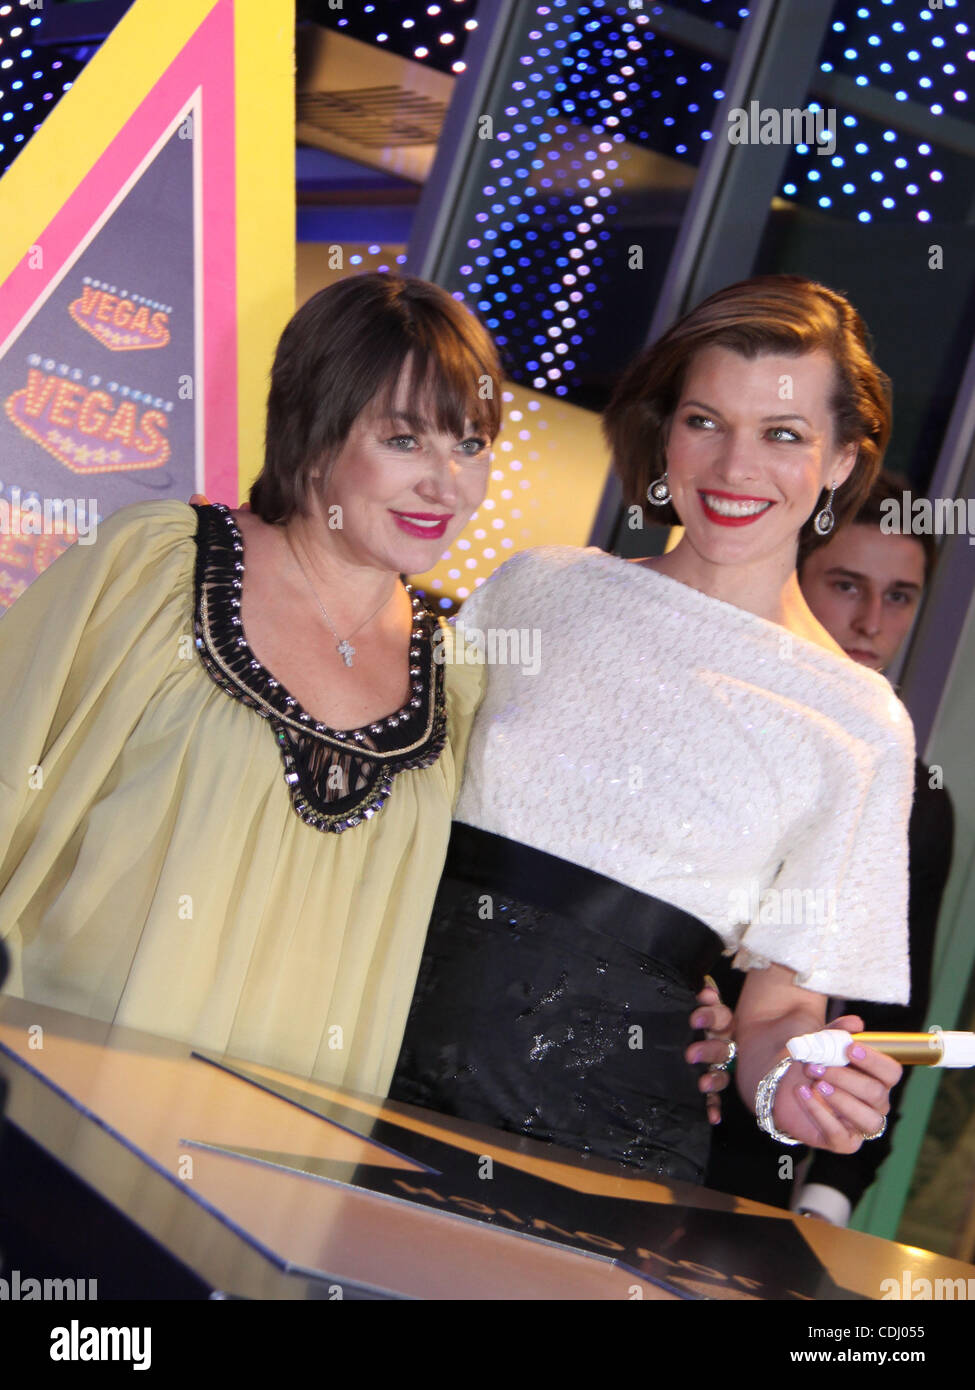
{"points": [[765, 1101]]}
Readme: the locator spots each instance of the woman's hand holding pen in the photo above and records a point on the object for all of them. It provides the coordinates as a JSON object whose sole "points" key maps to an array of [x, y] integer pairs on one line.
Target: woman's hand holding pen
{"points": [[833, 1108], [837, 1108]]}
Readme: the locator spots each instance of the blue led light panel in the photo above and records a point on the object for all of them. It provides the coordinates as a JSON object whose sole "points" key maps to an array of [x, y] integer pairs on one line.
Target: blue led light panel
{"points": [[908, 50], [881, 174], [723, 14], [428, 31], [553, 218], [880, 171], [32, 78]]}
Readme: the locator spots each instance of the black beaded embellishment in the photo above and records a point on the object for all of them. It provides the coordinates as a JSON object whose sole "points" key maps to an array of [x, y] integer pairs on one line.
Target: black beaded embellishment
{"points": [[369, 758]]}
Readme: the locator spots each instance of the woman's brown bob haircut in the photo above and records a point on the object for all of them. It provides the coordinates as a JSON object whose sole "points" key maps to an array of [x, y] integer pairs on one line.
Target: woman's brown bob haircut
{"points": [[767, 314], [344, 350]]}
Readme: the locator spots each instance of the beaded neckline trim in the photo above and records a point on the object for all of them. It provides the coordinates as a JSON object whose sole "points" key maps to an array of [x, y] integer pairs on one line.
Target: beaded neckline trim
{"points": [[336, 778]]}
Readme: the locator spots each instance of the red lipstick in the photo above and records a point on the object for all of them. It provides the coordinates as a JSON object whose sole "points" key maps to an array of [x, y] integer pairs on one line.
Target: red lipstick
{"points": [[719, 520], [429, 525]]}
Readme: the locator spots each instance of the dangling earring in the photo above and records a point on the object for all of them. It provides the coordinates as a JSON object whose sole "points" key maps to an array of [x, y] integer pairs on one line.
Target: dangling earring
{"points": [[824, 520], [658, 493]]}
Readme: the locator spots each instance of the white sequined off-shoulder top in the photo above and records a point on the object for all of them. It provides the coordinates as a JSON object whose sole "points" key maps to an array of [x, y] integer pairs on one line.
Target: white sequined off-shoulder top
{"points": [[700, 754]]}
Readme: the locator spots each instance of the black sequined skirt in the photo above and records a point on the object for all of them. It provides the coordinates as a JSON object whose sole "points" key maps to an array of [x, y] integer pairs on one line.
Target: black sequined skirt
{"points": [[555, 1003]]}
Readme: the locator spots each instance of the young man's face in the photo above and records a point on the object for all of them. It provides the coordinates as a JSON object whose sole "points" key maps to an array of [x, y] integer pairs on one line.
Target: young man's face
{"points": [[864, 587]]}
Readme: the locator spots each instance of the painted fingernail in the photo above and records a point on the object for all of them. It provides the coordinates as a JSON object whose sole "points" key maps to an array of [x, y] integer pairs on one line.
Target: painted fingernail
{"points": [[858, 1053], [814, 1069], [824, 1088], [805, 1092], [695, 1054], [699, 1020]]}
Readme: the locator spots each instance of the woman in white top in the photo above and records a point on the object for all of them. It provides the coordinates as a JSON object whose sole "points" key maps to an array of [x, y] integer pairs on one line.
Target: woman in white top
{"points": [[693, 766]]}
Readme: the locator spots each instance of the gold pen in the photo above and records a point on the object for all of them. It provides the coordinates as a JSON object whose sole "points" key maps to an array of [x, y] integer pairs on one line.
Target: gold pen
{"points": [[934, 1049]]}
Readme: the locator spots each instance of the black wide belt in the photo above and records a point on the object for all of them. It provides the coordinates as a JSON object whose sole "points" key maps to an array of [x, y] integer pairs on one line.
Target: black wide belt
{"points": [[668, 934]]}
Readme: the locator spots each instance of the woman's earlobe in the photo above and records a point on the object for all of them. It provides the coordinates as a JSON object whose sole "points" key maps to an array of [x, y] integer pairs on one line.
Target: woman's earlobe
{"points": [[849, 467]]}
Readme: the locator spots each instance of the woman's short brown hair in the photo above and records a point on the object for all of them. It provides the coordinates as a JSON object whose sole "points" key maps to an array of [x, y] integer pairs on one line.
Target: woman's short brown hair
{"points": [[345, 348], [767, 314]]}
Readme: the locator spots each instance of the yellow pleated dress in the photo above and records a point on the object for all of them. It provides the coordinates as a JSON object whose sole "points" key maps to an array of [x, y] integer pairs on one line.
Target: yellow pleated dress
{"points": [[173, 856]]}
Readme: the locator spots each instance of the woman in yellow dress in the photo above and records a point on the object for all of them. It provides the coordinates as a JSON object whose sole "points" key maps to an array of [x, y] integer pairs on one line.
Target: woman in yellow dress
{"points": [[227, 755]]}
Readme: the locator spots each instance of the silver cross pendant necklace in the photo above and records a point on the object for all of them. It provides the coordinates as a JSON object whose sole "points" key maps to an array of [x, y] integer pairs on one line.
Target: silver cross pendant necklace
{"points": [[343, 645]]}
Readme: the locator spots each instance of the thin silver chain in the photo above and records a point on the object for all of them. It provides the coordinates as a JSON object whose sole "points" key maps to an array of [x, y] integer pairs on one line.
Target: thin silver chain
{"points": [[343, 645]]}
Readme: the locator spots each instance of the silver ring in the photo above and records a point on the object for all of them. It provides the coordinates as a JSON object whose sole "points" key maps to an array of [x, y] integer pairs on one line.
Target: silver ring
{"points": [[732, 1054], [880, 1131]]}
